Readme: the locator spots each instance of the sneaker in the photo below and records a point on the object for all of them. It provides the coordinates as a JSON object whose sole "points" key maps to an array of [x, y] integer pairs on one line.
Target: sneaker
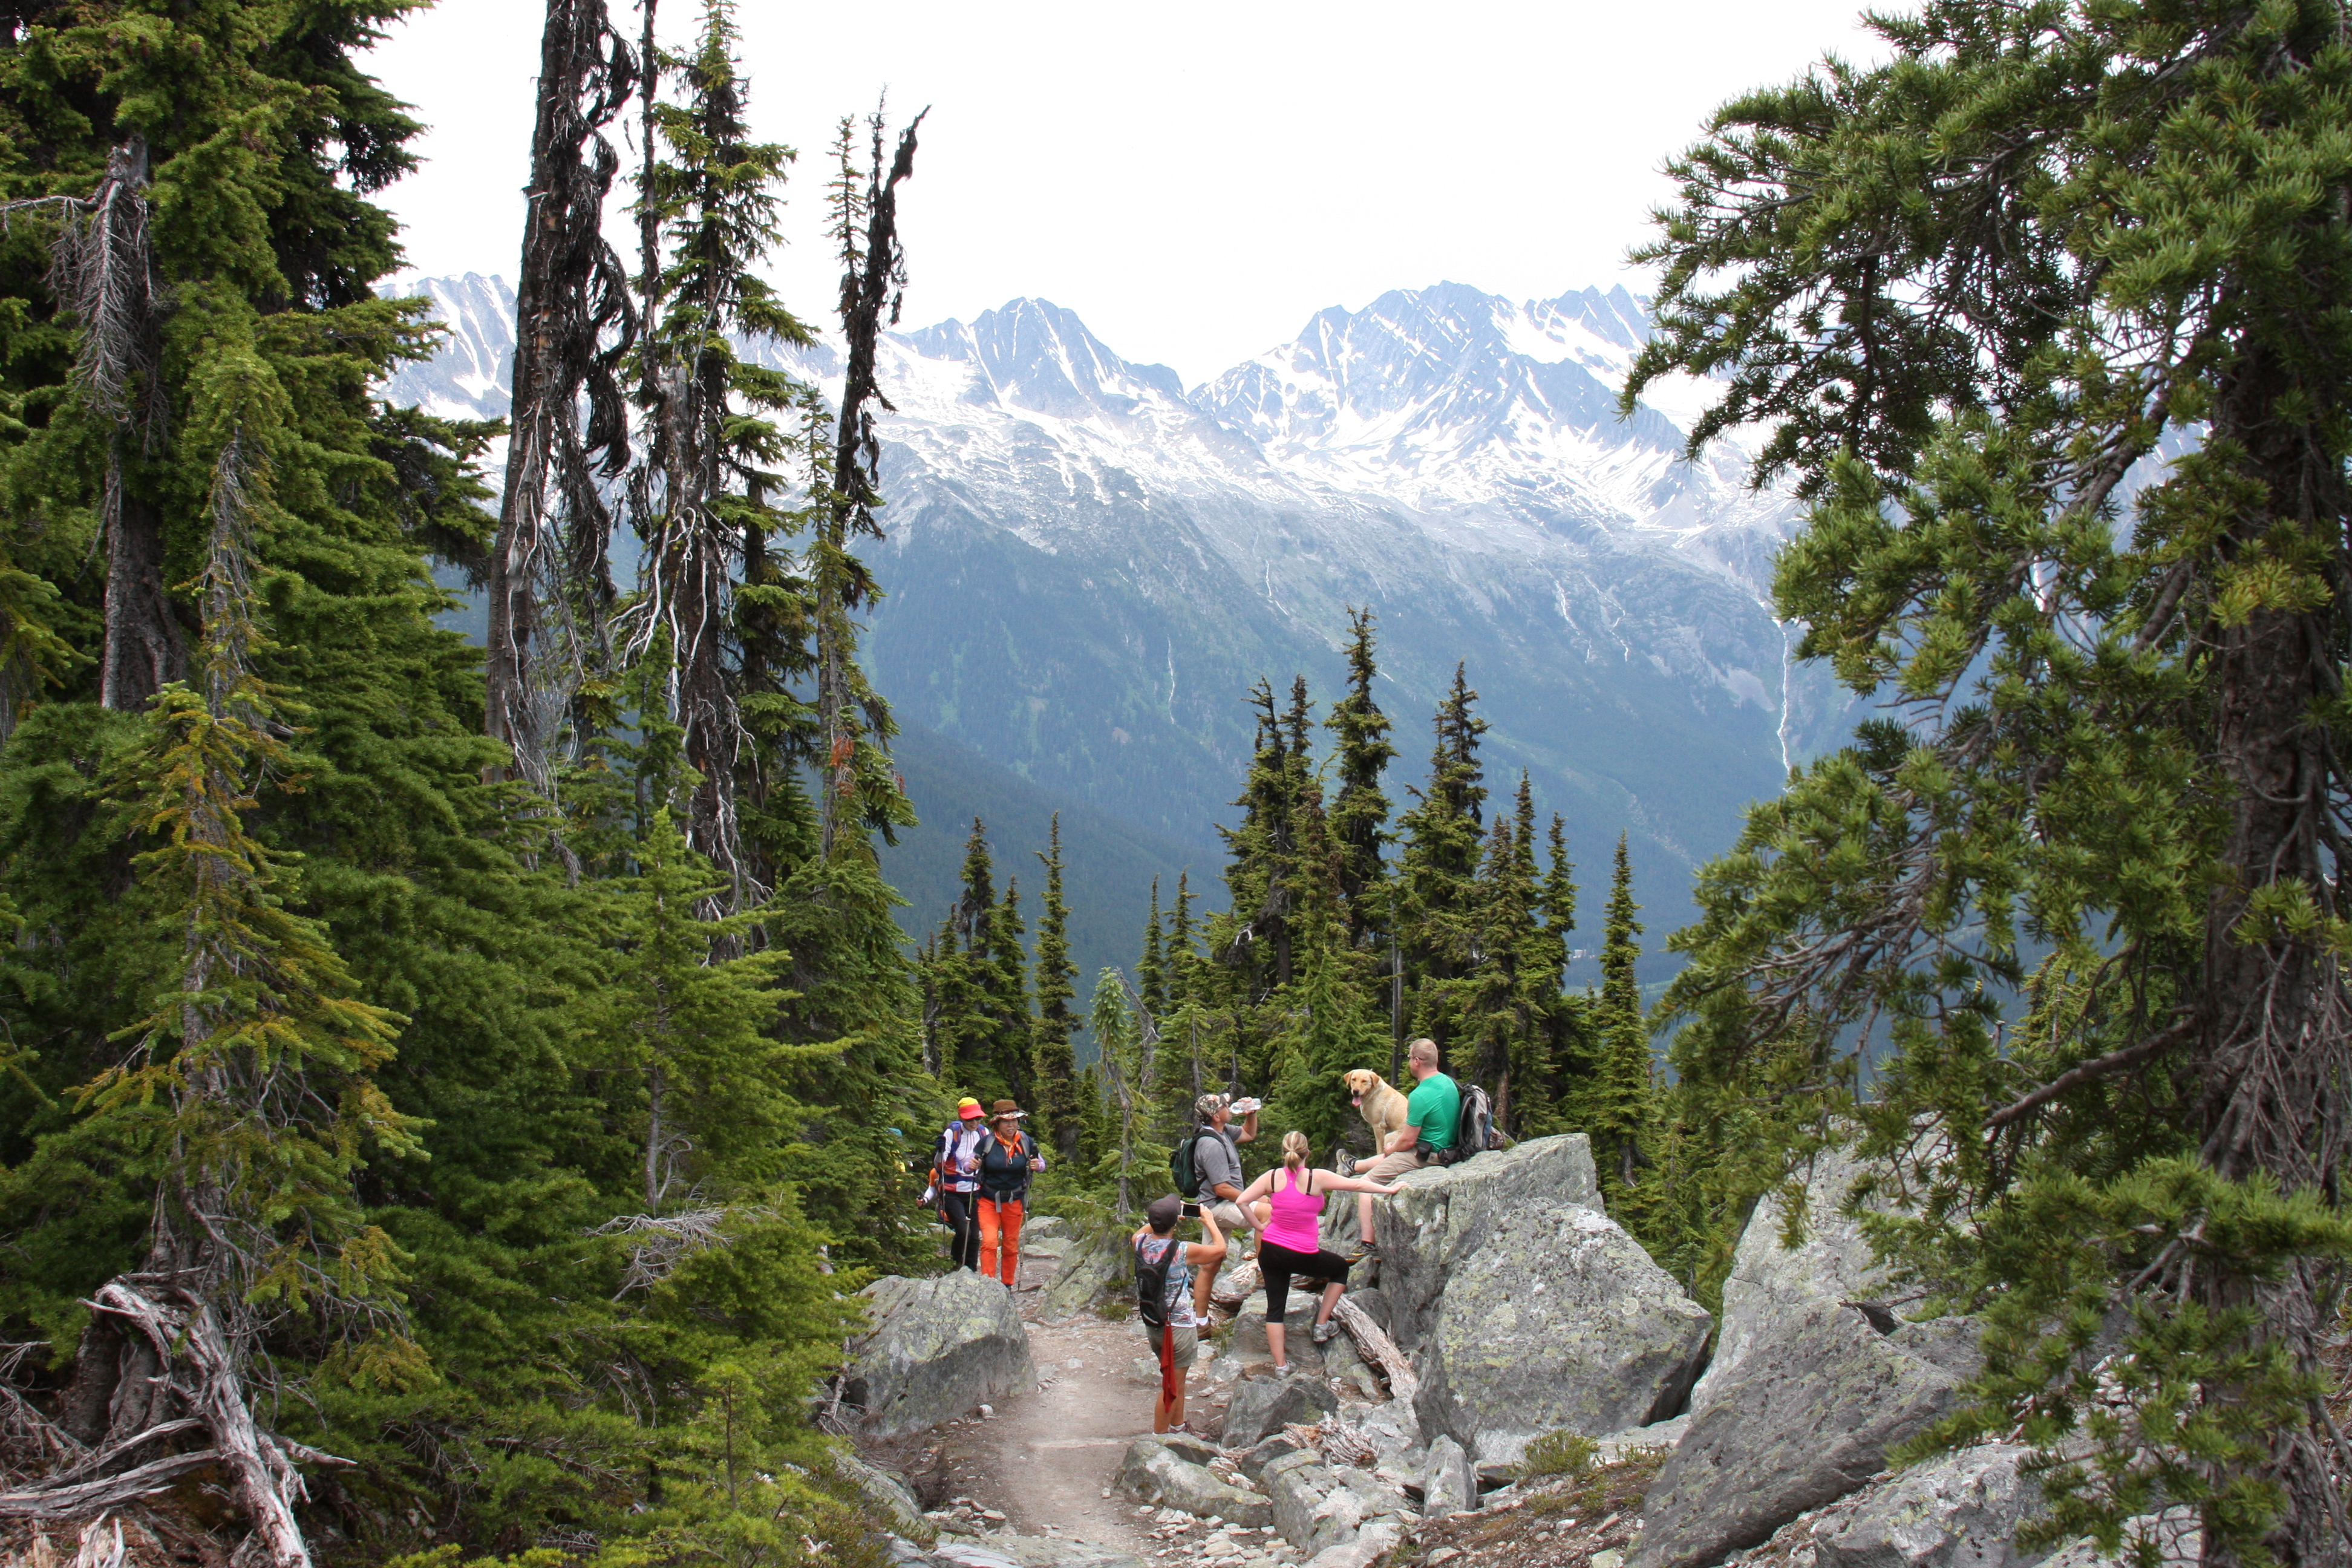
{"points": [[1325, 1332], [1364, 1250], [1282, 1369]]}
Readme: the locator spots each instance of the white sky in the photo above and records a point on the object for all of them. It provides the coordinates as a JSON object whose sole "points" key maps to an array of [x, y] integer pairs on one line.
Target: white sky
{"points": [[1195, 181]]}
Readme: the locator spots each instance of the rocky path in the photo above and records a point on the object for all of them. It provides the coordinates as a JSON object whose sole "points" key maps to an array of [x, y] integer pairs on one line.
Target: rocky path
{"points": [[1042, 1464]]}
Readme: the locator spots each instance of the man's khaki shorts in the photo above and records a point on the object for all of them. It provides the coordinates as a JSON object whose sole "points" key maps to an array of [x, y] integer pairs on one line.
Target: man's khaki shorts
{"points": [[1229, 1216], [1388, 1167]]}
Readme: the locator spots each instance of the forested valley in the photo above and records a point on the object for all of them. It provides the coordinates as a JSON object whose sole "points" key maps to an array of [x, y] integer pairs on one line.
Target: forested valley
{"points": [[451, 1096]]}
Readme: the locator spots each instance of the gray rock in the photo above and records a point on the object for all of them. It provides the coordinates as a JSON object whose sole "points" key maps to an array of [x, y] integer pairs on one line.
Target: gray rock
{"points": [[1313, 1508], [1247, 1337], [1254, 1458], [1044, 1226], [1768, 1281], [1805, 1420], [1154, 1473], [1960, 1510], [1371, 1544], [1265, 1405], [1448, 1485], [1446, 1212], [1087, 1272], [886, 1494], [1394, 1432], [958, 1552], [1185, 1446], [1558, 1321], [937, 1348], [1657, 1434]]}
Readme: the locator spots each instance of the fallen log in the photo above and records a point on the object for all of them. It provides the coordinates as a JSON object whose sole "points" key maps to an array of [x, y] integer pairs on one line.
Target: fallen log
{"points": [[1378, 1351]]}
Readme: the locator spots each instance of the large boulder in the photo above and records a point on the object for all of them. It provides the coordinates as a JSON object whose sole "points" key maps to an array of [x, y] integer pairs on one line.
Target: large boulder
{"points": [[1803, 1419], [1248, 1339], [1448, 1485], [1090, 1269], [1265, 1405], [1770, 1282], [886, 1494], [937, 1349], [1317, 1508], [1556, 1322], [1155, 1473], [1959, 1510], [1447, 1212]]}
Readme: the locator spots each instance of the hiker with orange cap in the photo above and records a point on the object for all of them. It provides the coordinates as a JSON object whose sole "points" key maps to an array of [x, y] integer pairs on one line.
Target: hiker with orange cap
{"points": [[1009, 1158], [956, 1166]]}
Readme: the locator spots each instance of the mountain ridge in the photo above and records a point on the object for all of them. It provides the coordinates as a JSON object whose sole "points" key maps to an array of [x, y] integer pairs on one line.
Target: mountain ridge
{"points": [[1089, 564]]}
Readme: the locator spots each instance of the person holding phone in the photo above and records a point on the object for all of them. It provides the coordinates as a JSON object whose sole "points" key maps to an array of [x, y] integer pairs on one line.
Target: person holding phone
{"points": [[1179, 1297], [1007, 1162], [1291, 1243]]}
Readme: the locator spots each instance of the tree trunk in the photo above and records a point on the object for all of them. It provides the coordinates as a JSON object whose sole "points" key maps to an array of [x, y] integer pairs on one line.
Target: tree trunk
{"points": [[2274, 1063], [144, 651]]}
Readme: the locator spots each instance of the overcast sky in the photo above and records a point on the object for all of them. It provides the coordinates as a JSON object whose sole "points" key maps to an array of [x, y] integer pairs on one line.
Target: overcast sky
{"points": [[1194, 181]]}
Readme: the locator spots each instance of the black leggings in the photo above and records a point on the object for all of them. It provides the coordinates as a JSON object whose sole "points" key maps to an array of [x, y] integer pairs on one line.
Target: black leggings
{"points": [[1277, 1263], [963, 1220]]}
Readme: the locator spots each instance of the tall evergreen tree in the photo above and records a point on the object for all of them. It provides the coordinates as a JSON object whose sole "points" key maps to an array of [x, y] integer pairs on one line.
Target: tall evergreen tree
{"points": [[1061, 1103], [2082, 899], [1151, 968], [705, 497], [1436, 882], [1359, 811], [1619, 1109]]}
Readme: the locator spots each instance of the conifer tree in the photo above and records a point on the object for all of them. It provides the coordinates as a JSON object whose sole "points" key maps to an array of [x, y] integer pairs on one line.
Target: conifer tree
{"points": [[1061, 1099], [704, 499], [1151, 969], [1620, 1112], [1359, 811], [1437, 874], [2081, 898], [695, 1025]]}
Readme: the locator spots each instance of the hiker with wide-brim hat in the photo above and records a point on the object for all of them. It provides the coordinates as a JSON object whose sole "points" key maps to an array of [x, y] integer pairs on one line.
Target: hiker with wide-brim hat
{"points": [[1007, 1162], [956, 1163]]}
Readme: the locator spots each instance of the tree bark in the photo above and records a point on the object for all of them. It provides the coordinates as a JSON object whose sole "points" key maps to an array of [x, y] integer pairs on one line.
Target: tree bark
{"points": [[2273, 1067], [144, 650]]}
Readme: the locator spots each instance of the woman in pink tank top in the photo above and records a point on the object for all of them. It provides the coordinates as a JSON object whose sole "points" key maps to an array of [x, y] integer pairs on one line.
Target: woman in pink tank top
{"points": [[1291, 1245]]}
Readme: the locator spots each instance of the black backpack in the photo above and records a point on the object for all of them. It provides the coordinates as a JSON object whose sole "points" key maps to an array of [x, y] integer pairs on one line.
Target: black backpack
{"points": [[1151, 1284]]}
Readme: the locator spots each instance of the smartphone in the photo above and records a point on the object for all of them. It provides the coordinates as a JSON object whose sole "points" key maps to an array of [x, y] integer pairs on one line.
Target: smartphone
{"points": [[1192, 1211]]}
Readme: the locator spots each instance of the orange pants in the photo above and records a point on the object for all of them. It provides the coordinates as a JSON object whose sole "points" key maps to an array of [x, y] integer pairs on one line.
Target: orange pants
{"points": [[1000, 1236]]}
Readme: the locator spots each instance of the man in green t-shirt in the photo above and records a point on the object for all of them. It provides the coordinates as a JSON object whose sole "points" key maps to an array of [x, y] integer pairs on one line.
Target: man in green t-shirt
{"points": [[1432, 1118]]}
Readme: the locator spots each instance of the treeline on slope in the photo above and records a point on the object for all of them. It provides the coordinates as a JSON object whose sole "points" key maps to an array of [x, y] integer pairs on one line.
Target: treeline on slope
{"points": [[442, 1108], [1351, 928]]}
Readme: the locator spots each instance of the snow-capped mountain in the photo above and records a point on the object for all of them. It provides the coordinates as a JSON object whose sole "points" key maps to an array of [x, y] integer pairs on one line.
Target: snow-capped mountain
{"points": [[1089, 564]]}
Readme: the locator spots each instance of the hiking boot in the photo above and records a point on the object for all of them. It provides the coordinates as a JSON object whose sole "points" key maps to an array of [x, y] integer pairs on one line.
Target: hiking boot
{"points": [[1363, 1250]]}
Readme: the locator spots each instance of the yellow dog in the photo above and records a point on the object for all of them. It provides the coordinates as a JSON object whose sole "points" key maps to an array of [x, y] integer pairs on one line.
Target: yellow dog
{"points": [[1382, 1105]]}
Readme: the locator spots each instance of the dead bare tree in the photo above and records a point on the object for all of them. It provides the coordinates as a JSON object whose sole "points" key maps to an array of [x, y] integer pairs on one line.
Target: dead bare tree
{"points": [[873, 286], [102, 274], [549, 579]]}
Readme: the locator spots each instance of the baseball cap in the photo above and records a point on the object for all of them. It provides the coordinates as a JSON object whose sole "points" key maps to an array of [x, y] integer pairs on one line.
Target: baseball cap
{"points": [[1163, 1212], [968, 1108]]}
